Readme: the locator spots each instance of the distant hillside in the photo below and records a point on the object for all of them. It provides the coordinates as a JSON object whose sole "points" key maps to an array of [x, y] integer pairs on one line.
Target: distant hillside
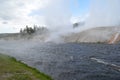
{"points": [[94, 35]]}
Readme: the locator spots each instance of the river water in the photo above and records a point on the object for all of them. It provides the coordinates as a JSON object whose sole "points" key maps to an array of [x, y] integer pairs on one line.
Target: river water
{"points": [[68, 61]]}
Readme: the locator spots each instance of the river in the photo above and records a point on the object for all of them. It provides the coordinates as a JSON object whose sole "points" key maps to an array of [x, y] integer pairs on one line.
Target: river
{"points": [[68, 61]]}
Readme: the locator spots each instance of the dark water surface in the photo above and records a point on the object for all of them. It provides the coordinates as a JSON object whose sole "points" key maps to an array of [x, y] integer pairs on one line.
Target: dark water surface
{"points": [[68, 61]]}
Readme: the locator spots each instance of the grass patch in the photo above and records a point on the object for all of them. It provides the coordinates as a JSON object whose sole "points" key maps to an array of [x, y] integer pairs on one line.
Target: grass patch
{"points": [[11, 69]]}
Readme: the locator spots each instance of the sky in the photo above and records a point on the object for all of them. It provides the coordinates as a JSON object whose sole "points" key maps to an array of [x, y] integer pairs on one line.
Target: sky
{"points": [[16, 14], [81, 7]]}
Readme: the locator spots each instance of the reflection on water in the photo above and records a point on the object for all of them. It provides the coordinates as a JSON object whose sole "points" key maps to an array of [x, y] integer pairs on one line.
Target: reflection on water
{"points": [[68, 61]]}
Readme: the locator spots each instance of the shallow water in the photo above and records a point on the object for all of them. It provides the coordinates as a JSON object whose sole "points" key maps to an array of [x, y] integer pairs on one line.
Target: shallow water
{"points": [[67, 61]]}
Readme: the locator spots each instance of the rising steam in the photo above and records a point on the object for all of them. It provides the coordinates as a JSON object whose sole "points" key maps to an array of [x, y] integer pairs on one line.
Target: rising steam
{"points": [[101, 13], [104, 13]]}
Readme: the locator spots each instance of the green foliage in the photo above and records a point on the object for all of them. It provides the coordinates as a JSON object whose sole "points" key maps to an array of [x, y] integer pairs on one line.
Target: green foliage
{"points": [[29, 30], [34, 29], [11, 69], [19, 77]]}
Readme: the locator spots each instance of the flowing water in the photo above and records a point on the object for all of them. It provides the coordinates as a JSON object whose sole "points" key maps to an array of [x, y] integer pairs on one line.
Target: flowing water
{"points": [[68, 61]]}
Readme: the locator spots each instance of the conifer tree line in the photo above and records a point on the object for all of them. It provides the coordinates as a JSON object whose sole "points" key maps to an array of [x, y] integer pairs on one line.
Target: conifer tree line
{"points": [[31, 30]]}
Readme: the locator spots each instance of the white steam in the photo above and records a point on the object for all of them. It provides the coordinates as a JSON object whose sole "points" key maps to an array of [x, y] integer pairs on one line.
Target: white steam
{"points": [[104, 13], [57, 17], [57, 13]]}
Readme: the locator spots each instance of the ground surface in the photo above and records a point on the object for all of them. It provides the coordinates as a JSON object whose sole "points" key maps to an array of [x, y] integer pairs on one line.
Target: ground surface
{"points": [[10, 69]]}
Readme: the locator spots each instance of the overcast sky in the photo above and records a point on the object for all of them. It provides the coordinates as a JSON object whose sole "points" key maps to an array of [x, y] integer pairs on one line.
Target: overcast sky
{"points": [[15, 14]]}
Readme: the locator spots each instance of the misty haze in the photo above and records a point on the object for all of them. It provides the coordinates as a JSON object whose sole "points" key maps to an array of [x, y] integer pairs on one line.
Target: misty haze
{"points": [[60, 40]]}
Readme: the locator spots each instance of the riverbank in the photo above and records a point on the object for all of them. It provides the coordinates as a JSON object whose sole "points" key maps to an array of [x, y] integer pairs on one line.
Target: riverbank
{"points": [[11, 69]]}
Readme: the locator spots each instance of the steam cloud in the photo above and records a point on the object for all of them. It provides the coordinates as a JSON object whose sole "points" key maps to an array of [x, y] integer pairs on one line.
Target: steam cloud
{"points": [[57, 17], [101, 13], [104, 13]]}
